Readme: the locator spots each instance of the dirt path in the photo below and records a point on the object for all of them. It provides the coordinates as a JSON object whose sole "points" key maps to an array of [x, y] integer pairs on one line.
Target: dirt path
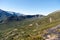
{"points": [[53, 33]]}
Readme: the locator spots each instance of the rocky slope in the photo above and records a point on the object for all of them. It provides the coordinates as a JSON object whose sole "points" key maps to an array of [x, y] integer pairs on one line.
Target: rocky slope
{"points": [[52, 33]]}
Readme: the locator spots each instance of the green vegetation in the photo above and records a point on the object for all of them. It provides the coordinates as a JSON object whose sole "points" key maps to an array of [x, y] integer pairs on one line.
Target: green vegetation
{"points": [[29, 29]]}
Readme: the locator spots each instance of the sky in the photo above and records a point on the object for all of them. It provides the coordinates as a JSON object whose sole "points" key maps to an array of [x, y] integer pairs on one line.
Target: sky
{"points": [[30, 7]]}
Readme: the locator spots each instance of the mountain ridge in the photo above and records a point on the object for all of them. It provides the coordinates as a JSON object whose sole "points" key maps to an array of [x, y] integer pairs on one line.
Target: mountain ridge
{"points": [[14, 16]]}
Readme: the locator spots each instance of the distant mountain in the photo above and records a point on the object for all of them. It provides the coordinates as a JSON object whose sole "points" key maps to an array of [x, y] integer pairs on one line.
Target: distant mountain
{"points": [[6, 16]]}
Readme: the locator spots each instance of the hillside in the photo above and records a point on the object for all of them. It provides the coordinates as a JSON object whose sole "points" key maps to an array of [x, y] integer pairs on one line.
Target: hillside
{"points": [[30, 28]]}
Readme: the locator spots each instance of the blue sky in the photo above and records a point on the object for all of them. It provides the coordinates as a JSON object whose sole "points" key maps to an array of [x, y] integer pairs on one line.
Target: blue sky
{"points": [[30, 6]]}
